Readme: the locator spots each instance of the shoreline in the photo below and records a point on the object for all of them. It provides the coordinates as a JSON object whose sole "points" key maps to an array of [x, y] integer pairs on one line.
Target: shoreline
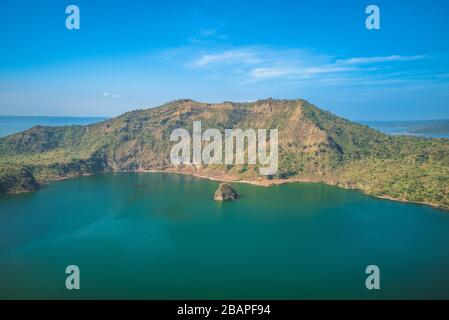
{"points": [[276, 182], [229, 179]]}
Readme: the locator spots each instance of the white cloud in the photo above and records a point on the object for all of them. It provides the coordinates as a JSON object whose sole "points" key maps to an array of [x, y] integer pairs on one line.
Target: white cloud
{"points": [[292, 72], [229, 56], [259, 63], [392, 58], [266, 73], [326, 69], [112, 95]]}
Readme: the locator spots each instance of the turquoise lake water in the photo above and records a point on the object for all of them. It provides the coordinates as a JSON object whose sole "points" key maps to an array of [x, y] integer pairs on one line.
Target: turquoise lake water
{"points": [[161, 236]]}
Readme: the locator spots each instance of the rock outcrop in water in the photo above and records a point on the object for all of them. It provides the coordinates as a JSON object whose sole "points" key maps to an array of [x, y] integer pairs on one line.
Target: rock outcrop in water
{"points": [[225, 193]]}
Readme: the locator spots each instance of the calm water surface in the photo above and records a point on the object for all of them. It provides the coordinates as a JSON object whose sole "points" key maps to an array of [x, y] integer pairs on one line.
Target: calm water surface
{"points": [[144, 235]]}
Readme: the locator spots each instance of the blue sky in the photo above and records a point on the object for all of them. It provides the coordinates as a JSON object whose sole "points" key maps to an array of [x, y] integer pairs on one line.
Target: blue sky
{"points": [[138, 54]]}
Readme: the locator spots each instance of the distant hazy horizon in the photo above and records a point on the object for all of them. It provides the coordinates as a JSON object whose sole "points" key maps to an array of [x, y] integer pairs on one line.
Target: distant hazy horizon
{"points": [[14, 124], [386, 117], [101, 117]]}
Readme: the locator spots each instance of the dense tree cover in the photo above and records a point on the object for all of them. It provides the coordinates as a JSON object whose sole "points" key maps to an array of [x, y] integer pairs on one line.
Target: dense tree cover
{"points": [[16, 178]]}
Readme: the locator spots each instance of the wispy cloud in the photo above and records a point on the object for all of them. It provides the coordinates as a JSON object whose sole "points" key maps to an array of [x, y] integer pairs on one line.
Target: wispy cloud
{"points": [[208, 35], [261, 64], [243, 56], [267, 73], [369, 60], [111, 95]]}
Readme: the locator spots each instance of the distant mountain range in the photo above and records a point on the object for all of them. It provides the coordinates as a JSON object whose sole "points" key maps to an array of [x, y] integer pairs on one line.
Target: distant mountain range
{"points": [[314, 145]]}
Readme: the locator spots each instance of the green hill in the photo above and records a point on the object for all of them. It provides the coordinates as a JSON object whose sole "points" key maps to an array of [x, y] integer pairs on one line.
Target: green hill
{"points": [[314, 145]]}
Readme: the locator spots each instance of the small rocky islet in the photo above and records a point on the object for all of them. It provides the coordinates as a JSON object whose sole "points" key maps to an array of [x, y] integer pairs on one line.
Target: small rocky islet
{"points": [[225, 193]]}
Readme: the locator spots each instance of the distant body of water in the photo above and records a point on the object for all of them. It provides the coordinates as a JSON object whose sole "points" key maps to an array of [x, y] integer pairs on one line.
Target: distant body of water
{"points": [[424, 128], [161, 236], [13, 124]]}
